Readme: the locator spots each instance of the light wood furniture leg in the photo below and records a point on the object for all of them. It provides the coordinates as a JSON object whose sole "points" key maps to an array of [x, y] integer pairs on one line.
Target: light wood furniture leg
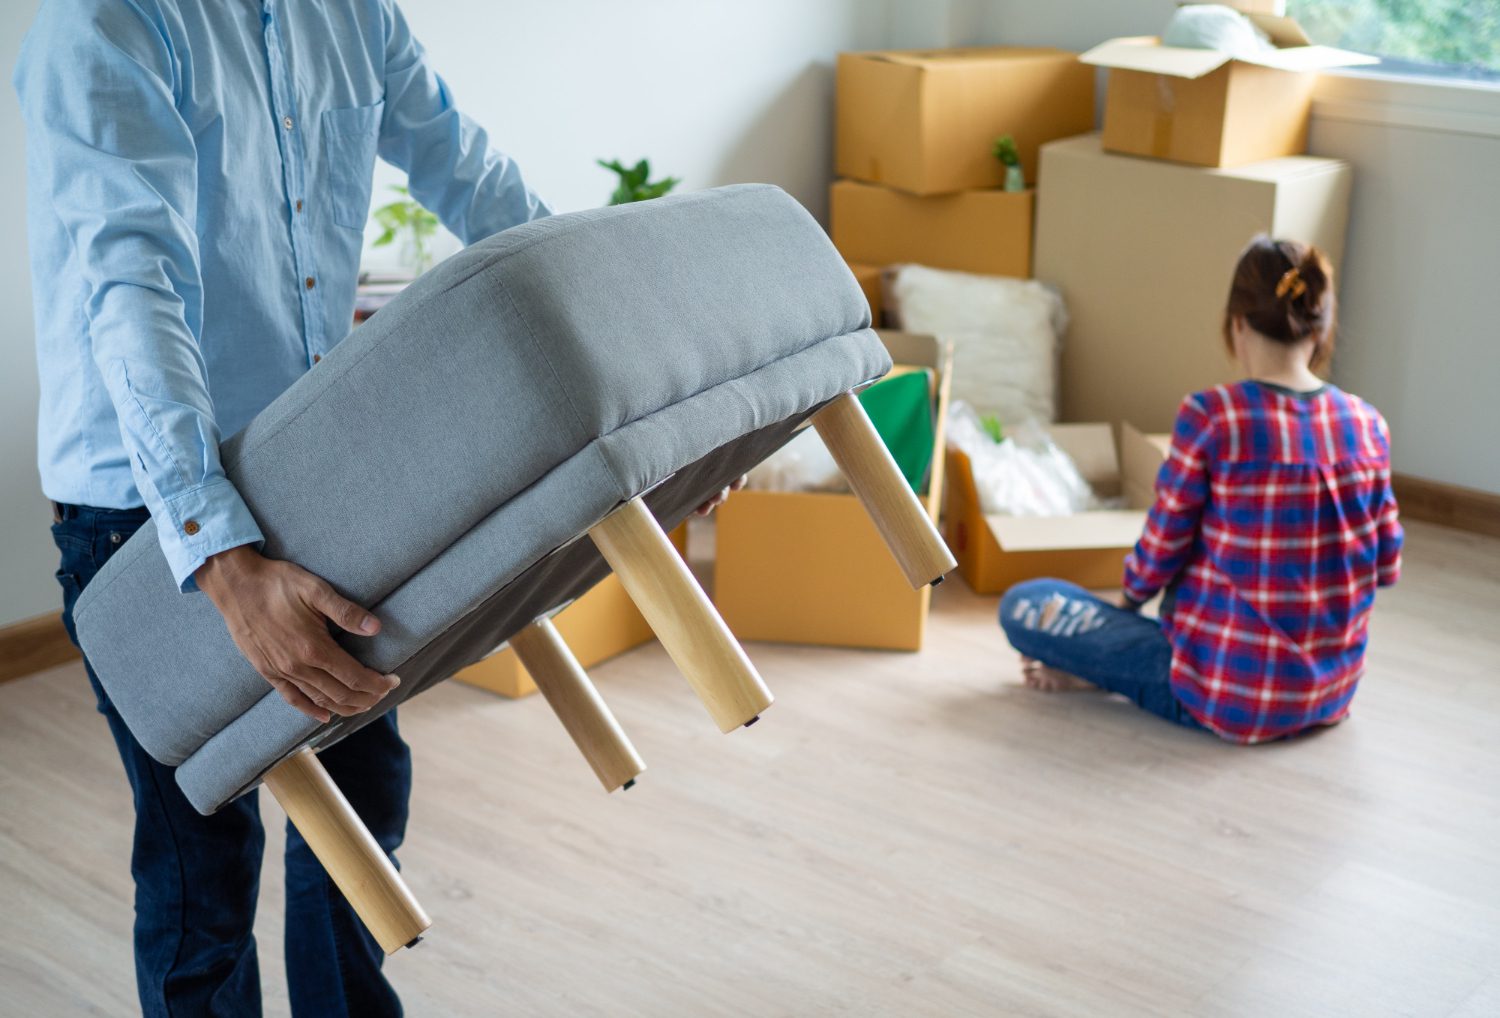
{"points": [[685, 621], [348, 851], [577, 704], [873, 475]]}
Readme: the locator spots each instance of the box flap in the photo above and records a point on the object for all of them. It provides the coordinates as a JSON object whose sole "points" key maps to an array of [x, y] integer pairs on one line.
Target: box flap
{"points": [[1141, 457], [1280, 29], [1311, 58], [1146, 53], [1108, 528], [914, 349], [1092, 449]]}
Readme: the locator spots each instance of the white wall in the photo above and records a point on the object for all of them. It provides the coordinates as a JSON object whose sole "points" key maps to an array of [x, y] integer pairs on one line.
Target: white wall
{"points": [[1421, 309], [27, 557], [713, 91]]}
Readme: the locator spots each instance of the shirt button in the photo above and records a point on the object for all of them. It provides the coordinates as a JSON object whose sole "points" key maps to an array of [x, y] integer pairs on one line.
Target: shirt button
{"points": [[299, 204], [286, 122], [309, 281], [190, 527], [317, 357]]}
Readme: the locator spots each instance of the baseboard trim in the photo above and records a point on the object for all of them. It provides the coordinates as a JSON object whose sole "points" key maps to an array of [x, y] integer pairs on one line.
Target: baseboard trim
{"points": [[32, 645], [1448, 504]]}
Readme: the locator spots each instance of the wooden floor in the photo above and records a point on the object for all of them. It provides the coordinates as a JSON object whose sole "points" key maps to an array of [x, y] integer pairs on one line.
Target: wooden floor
{"points": [[901, 835]]}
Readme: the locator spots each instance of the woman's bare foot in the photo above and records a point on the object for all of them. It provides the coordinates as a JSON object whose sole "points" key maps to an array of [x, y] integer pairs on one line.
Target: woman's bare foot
{"points": [[1049, 680]]}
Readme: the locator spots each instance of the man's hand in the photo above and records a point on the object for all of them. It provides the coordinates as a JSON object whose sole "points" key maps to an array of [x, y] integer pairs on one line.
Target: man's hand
{"points": [[278, 615], [720, 498]]}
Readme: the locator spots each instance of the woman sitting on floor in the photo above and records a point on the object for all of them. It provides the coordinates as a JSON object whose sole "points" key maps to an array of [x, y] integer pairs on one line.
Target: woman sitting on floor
{"points": [[1273, 524]]}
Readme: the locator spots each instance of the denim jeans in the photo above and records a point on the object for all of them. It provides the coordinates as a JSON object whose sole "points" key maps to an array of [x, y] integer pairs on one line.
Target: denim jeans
{"points": [[1067, 628], [196, 877]]}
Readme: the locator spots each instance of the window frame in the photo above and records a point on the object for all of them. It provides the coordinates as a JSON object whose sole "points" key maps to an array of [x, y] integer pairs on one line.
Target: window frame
{"points": [[1370, 96]]}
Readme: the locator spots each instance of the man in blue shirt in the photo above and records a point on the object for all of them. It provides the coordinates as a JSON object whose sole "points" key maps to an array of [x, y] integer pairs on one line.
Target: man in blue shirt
{"points": [[199, 177]]}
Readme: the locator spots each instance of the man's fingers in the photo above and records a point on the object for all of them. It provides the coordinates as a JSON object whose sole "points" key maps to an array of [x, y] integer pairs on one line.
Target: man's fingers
{"points": [[364, 682], [326, 691], [294, 696], [345, 614], [713, 503]]}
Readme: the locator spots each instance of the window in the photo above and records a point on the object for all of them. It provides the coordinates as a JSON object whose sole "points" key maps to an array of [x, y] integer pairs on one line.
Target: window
{"points": [[1454, 39]]}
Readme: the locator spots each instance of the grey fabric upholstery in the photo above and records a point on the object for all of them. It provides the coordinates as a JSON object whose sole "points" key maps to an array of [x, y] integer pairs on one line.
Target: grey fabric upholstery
{"points": [[441, 464]]}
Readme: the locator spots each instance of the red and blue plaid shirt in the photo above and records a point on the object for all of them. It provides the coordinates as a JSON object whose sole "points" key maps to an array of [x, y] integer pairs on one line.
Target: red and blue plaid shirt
{"points": [[1273, 524]]}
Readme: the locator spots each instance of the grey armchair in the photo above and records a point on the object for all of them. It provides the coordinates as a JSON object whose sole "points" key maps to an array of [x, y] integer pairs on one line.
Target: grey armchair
{"points": [[558, 395]]}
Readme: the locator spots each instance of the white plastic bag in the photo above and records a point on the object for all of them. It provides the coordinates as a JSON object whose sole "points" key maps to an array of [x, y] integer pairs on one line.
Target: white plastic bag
{"points": [[1025, 474], [1215, 27], [803, 464]]}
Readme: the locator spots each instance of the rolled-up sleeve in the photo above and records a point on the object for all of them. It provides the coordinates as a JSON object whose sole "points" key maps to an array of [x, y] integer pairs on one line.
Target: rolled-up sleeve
{"points": [[450, 165], [97, 84]]}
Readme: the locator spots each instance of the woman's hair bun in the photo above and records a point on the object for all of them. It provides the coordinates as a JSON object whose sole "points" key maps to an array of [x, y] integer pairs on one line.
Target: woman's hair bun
{"points": [[1284, 291]]}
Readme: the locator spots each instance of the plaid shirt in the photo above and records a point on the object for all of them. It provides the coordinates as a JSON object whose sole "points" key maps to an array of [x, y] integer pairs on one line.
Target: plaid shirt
{"points": [[1274, 523]]}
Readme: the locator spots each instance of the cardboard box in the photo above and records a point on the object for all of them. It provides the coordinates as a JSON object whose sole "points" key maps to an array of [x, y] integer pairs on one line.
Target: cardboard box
{"points": [[988, 232], [1088, 548], [600, 624], [926, 121], [810, 568], [868, 277], [1143, 253], [1208, 108]]}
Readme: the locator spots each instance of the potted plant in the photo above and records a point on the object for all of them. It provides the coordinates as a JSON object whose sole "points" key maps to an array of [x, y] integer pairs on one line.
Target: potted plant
{"points": [[1005, 151], [636, 183], [414, 225]]}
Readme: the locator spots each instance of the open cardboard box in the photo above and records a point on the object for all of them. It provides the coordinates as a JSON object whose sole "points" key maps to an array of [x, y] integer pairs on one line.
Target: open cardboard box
{"points": [[1208, 108], [600, 624], [809, 567], [1088, 548], [925, 121]]}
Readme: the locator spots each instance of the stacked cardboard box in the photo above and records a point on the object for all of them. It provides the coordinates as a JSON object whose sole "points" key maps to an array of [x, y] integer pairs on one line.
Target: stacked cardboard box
{"points": [[915, 130], [1209, 108], [1143, 251]]}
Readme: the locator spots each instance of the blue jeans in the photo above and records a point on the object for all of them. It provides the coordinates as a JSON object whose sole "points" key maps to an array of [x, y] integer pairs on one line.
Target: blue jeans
{"points": [[1067, 628], [196, 877]]}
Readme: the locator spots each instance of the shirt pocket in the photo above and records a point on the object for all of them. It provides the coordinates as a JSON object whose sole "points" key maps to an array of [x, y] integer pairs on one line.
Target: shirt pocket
{"points": [[350, 139]]}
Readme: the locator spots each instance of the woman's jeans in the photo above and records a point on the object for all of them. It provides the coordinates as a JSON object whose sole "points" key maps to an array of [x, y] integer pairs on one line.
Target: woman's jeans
{"points": [[196, 877], [1067, 628]]}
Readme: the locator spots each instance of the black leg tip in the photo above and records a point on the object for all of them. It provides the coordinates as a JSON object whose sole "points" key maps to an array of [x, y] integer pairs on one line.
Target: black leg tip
{"points": [[628, 785], [937, 582], [752, 721], [414, 941]]}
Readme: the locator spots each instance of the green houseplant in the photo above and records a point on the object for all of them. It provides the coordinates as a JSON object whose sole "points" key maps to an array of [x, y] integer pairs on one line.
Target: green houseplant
{"points": [[1005, 151], [636, 183], [412, 224]]}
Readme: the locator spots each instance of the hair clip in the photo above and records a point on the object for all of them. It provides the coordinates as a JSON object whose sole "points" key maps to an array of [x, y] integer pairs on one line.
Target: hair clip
{"points": [[1291, 282]]}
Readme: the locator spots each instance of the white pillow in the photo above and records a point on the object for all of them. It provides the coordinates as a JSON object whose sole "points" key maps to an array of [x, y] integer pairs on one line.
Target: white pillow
{"points": [[1004, 334]]}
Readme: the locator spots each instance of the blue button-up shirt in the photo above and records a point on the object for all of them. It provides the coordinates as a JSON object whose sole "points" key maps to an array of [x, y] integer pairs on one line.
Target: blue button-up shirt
{"points": [[198, 180]]}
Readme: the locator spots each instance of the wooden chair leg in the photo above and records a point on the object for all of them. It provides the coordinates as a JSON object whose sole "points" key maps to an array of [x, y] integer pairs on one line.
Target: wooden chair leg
{"points": [[685, 621], [577, 704], [873, 475], [348, 851]]}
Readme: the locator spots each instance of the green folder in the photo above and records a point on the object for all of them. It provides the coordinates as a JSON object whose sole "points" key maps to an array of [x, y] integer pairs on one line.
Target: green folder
{"points": [[901, 410]]}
